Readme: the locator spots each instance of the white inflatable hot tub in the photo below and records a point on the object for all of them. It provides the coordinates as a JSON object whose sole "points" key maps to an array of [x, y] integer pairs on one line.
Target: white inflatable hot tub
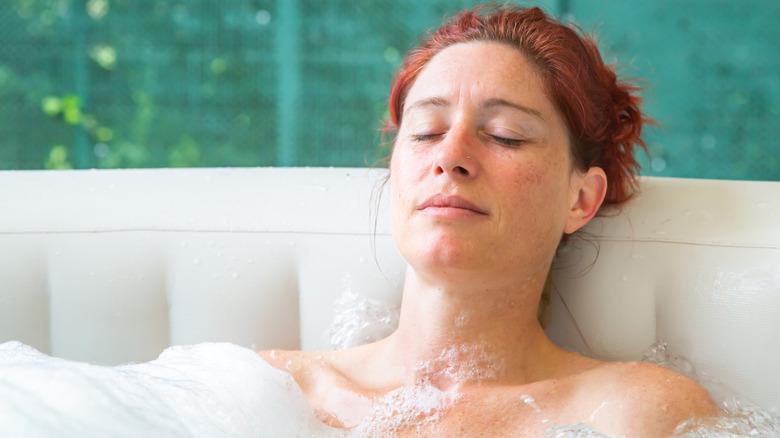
{"points": [[112, 266]]}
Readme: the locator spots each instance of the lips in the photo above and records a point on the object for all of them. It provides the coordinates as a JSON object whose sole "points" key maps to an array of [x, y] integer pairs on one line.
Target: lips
{"points": [[450, 201]]}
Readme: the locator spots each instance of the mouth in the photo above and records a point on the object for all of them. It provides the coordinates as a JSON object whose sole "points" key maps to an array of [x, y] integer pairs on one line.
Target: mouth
{"points": [[450, 205]]}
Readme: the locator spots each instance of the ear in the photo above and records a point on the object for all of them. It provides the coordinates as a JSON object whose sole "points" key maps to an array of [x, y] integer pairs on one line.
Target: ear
{"points": [[587, 192]]}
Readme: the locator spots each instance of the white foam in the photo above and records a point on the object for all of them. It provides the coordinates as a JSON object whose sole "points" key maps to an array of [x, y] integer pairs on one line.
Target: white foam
{"points": [[740, 418], [200, 390], [359, 320], [463, 363], [406, 407]]}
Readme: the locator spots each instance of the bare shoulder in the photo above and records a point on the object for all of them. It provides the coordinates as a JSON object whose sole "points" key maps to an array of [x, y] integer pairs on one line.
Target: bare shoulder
{"points": [[648, 400], [290, 361]]}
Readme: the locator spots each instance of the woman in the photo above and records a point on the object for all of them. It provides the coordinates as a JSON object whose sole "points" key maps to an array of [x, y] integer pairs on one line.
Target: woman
{"points": [[511, 134]]}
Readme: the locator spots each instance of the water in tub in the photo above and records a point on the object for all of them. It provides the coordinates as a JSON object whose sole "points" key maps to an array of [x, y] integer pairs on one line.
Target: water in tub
{"points": [[224, 390]]}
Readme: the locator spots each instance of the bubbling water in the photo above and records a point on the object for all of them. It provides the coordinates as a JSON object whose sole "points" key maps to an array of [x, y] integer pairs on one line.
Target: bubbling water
{"points": [[226, 390], [358, 319], [405, 407]]}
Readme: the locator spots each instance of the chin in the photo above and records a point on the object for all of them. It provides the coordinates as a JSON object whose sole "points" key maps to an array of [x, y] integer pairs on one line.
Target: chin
{"points": [[444, 252]]}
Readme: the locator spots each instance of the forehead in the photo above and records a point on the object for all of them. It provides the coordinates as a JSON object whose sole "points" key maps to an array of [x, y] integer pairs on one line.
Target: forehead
{"points": [[481, 70]]}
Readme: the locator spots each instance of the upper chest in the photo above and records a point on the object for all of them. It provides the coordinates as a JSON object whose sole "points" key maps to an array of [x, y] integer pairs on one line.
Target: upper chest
{"points": [[476, 411]]}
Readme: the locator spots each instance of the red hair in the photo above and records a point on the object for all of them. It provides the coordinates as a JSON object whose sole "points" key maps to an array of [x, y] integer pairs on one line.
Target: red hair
{"points": [[602, 114]]}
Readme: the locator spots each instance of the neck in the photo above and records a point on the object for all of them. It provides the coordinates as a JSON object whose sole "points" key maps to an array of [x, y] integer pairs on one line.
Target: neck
{"points": [[452, 333]]}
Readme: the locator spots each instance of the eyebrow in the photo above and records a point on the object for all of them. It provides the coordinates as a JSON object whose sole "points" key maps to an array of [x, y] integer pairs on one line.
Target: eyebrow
{"points": [[489, 103]]}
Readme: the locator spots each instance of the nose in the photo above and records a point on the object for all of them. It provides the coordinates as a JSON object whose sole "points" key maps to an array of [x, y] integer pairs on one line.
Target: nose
{"points": [[455, 155]]}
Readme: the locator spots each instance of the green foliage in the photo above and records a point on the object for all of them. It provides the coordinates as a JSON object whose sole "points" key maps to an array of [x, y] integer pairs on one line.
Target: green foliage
{"points": [[58, 158], [125, 83]]}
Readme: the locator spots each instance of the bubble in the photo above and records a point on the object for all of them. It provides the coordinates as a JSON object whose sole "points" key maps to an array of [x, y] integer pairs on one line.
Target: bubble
{"points": [[408, 406], [359, 320], [263, 17], [658, 164], [708, 141]]}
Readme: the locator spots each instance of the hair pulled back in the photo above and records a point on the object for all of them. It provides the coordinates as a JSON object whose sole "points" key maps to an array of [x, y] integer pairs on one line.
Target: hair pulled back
{"points": [[602, 114]]}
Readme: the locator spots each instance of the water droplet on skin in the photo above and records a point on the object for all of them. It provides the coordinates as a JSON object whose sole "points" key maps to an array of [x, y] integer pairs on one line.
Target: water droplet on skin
{"points": [[460, 320], [274, 354]]}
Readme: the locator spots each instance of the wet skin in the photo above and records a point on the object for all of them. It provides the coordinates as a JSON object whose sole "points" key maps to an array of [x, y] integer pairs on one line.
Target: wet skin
{"points": [[479, 132]]}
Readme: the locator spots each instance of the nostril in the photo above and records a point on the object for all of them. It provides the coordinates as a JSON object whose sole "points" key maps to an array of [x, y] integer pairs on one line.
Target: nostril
{"points": [[462, 170]]}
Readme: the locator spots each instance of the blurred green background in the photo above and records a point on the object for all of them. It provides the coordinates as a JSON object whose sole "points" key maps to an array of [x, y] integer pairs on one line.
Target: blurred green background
{"points": [[173, 83]]}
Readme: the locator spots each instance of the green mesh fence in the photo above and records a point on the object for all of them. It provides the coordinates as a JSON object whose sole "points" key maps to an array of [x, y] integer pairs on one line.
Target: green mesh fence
{"points": [[155, 83]]}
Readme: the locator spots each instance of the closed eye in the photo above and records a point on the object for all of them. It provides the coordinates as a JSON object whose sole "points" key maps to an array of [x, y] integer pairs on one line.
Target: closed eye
{"points": [[424, 137], [507, 141], [512, 142]]}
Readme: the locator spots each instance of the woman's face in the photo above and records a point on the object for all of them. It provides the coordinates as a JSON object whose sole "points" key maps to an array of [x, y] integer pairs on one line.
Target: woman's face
{"points": [[479, 132]]}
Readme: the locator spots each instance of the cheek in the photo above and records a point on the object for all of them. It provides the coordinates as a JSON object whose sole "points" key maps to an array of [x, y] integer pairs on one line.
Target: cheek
{"points": [[401, 190], [538, 197]]}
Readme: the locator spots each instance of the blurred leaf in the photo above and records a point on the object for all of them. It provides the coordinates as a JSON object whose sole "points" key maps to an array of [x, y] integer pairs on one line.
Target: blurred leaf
{"points": [[104, 134], [126, 154], [104, 55], [51, 105], [58, 158], [70, 109], [218, 66], [185, 154], [97, 9]]}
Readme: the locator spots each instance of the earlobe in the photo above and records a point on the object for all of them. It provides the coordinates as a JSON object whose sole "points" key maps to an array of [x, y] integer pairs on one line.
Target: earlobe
{"points": [[589, 190]]}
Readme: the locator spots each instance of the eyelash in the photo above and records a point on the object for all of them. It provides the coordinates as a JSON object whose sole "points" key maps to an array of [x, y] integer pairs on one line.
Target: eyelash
{"points": [[511, 142]]}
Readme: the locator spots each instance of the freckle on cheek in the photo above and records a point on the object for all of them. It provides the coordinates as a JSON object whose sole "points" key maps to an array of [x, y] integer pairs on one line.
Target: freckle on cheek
{"points": [[531, 177]]}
